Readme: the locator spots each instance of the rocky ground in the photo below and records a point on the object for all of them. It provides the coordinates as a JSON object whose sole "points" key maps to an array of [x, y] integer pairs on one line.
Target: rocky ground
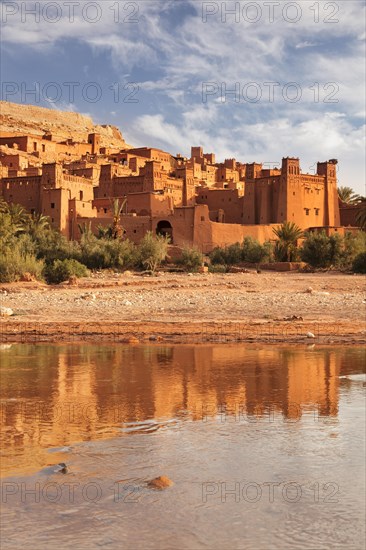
{"points": [[178, 307]]}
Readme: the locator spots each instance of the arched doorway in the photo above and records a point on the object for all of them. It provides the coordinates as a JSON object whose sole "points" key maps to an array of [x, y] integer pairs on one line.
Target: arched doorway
{"points": [[165, 228]]}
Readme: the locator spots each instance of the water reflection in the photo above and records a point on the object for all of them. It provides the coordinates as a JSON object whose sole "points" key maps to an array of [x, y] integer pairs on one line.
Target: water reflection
{"points": [[53, 396]]}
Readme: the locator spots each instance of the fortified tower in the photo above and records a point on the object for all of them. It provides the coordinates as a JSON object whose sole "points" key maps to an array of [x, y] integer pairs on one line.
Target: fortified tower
{"points": [[331, 206], [289, 189]]}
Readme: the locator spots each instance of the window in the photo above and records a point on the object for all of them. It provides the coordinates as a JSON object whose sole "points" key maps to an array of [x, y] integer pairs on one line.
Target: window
{"points": [[293, 193], [307, 211], [316, 211], [52, 205], [43, 148], [34, 146], [202, 218], [105, 210]]}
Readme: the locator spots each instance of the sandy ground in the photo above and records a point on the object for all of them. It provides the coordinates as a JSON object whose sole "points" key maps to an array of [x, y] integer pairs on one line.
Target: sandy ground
{"points": [[174, 307]]}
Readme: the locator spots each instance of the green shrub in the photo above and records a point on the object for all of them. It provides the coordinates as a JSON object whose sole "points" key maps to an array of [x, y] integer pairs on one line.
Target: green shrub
{"points": [[52, 245], [319, 250], [105, 253], [93, 253], [152, 251], [233, 254], [217, 256], [230, 255], [249, 251], [359, 263], [191, 258], [217, 268], [353, 245], [15, 262], [122, 254], [254, 252], [61, 270]]}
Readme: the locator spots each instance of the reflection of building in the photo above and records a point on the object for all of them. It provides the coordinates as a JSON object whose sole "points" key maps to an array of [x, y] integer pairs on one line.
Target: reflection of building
{"points": [[78, 393]]}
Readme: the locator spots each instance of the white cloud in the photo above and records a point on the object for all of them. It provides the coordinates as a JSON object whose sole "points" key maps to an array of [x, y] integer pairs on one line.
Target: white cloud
{"points": [[185, 53]]}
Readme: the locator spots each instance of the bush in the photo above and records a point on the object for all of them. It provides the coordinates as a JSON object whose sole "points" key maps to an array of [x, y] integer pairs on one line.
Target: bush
{"points": [[230, 255], [15, 262], [152, 251], [233, 254], [217, 256], [52, 245], [122, 254], [94, 253], [107, 253], [359, 263], [319, 250], [191, 259], [250, 251], [254, 252], [353, 245], [217, 268], [62, 270]]}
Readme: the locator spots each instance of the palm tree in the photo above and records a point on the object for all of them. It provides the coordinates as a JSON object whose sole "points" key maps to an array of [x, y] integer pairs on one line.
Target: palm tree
{"points": [[85, 230], [117, 207], [347, 195], [17, 214], [105, 232], [3, 206], [286, 246], [37, 224]]}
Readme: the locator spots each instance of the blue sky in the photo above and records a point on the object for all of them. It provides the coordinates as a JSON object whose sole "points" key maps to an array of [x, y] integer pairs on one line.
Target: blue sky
{"points": [[172, 60]]}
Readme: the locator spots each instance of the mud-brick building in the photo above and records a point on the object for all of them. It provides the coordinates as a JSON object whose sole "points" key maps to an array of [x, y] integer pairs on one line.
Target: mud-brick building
{"points": [[56, 194], [196, 201]]}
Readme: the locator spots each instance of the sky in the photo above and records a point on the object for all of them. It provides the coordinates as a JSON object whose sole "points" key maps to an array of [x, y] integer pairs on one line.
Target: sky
{"points": [[251, 80]]}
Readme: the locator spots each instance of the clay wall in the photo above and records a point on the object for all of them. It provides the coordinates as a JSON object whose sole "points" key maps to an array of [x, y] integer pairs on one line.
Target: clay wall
{"points": [[25, 191], [227, 200]]}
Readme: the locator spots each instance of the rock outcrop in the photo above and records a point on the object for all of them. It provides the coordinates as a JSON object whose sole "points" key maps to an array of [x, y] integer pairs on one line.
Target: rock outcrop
{"points": [[18, 119]]}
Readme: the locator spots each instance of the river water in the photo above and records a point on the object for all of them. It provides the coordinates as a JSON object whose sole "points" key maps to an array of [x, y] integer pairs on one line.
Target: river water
{"points": [[264, 445]]}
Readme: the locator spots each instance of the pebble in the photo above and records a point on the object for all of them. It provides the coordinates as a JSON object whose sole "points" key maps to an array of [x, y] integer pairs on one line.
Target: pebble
{"points": [[310, 335], [6, 312], [161, 482]]}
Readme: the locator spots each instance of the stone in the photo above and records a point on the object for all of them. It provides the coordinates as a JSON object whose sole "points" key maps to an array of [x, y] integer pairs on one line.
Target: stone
{"points": [[73, 280], [160, 483], [309, 290], [310, 335], [62, 468], [127, 303], [6, 312]]}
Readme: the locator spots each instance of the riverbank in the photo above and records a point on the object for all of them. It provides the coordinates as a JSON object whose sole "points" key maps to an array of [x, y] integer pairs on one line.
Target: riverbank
{"points": [[185, 308]]}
